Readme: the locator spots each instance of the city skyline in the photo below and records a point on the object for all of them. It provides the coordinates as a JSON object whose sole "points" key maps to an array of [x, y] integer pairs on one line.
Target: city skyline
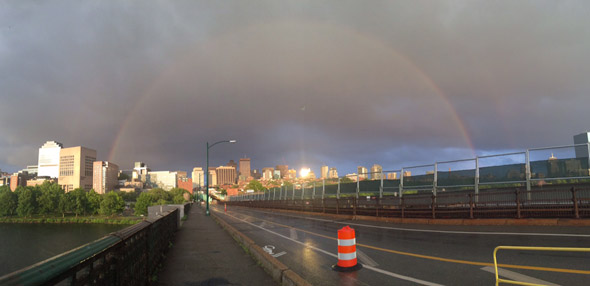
{"points": [[434, 81]]}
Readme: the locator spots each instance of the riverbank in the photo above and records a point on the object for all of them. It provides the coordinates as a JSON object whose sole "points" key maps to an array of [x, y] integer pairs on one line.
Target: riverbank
{"points": [[69, 220]]}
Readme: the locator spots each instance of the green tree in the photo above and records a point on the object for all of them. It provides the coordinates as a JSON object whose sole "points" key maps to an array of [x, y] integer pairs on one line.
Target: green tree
{"points": [[8, 202], [111, 204], [129, 196], [66, 204], [94, 199], [345, 180], [255, 185], [27, 203], [143, 202], [160, 194], [49, 198], [80, 201]]}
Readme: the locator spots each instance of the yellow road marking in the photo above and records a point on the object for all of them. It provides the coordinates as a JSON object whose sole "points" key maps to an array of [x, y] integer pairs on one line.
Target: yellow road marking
{"points": [[458, 261]]}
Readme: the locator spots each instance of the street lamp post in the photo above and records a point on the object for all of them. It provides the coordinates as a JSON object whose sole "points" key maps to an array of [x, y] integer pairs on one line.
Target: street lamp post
{"points": [[207, 170]]}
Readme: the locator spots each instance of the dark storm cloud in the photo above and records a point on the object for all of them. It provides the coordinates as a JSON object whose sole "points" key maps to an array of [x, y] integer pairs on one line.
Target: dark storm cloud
{"points": [[341, 83]]}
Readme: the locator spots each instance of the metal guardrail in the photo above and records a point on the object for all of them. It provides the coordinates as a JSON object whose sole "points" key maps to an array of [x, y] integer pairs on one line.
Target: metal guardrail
{"points": [[556, 202], [529, 248], [126, 257]]}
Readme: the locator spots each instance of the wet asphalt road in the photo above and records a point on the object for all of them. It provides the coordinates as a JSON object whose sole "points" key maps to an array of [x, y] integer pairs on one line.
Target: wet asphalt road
{"points": [[401, 254]]}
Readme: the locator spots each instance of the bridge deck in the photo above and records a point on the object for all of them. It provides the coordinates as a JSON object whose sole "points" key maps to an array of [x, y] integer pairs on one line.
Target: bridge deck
{"points": [[205, 254]]}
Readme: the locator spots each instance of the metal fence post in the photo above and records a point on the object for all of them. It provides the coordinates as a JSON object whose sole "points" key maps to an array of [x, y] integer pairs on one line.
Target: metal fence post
{"points": [[528, 170], [313, 192], [470, 205], [293, 196], [381, 186], [302, 190], [476, 183], [338, 190], [435, 179], [323, 188], [575, 200], [401, 184], [358, 188]]}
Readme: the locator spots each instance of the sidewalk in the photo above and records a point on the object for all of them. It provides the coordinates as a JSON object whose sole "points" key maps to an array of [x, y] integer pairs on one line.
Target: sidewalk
{"points": [[204, 254]]}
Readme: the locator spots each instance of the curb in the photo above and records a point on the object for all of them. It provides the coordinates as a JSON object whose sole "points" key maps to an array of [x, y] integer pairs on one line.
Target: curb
{"points": [[459, 221], [279, 271]]}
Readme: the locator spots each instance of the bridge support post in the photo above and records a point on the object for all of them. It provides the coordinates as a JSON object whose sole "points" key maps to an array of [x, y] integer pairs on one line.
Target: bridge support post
{"points": [[517, 192], [575, 201]]}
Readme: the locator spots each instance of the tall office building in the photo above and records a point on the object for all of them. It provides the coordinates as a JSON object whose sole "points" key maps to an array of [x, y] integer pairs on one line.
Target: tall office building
{"points": [[324, 172], [244, 169], [105, 175], [48, 164], [163, 179], [212, 177], [140, 170], [376, 172], [76, 168], [198, 176], [583, 138], [333, 173], [283, 170], [226, 175], [267, 173], [363, 172]]}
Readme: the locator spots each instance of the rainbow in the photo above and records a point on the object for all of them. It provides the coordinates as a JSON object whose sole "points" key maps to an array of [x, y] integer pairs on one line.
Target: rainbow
{"points": [[171, 69]]}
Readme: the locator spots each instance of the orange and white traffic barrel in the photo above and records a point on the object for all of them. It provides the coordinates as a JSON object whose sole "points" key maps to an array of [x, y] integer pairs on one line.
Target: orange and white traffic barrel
{"points": [[346, 251]]}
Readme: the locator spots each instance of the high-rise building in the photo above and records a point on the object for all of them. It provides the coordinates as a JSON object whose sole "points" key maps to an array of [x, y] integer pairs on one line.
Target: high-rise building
{"points": [[363, 172], [76, 168], [104, 177], [48, 164], [291, 174], [256, 175], [244, 169], [140, 170], [582, 138], [376, 172], [333, 173], [283, 170], [162, 179], [198, 176], [212, 179], [392, 176], [181, 174], [324, 172], [226, 175], [267, 173]]}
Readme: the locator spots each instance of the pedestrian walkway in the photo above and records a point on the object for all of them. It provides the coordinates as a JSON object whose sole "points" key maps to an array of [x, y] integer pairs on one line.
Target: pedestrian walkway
{"points": [[205, 254]]}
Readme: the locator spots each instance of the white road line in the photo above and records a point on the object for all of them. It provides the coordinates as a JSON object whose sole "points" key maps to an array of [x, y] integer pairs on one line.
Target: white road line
{"points": [[399, 276], [263, 224], [293, 233], [365, 259], [442, 231], [517, 276]]}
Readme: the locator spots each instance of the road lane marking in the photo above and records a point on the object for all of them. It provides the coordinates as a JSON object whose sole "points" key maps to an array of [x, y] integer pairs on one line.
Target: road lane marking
{"points": [[438, 231], [365, 259], [399, 276], [517, 276], [458, 261]]}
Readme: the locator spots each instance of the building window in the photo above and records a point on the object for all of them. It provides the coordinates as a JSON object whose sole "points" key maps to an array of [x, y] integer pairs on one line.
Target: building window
{"points": [[66, 165], [88, 166]]}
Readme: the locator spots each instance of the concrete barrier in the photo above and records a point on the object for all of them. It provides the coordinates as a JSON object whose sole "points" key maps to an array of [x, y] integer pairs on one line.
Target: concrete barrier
{"points": [[279, 271]]}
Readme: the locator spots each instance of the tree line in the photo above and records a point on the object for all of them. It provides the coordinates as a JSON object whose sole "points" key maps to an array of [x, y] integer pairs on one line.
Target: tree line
{"points": [[50, 199]]}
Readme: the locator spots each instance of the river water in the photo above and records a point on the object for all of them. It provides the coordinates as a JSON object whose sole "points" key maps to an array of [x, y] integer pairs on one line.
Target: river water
{"points": [[22, 245]]}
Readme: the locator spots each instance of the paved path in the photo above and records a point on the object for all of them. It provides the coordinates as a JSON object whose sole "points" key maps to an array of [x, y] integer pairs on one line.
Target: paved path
{"points": [[205, 254]]}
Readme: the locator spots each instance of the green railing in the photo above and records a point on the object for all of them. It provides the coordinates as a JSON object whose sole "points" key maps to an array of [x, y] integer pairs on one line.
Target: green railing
{"points": [[127, 257]]}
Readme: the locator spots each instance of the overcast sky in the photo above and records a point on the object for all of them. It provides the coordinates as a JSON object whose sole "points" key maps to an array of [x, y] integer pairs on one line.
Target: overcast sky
{"points": [[345, 83]]}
